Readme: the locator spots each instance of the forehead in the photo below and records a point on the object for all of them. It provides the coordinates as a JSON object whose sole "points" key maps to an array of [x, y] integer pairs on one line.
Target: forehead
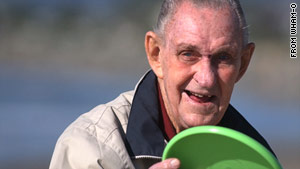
{"points": [[203, 25]]}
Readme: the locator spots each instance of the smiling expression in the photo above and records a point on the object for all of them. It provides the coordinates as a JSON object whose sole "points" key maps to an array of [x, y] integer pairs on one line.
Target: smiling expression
{"points": [[200, 60]]}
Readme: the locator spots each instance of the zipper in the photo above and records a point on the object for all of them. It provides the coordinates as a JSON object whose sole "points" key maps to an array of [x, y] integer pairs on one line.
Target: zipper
{"points": [[147, 157]]}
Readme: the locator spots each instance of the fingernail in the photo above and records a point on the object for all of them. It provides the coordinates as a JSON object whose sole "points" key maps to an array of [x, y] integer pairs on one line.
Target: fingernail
{"points": [[175, 163]]}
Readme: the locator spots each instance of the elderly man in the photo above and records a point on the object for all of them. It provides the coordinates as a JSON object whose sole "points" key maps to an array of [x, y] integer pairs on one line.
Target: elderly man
{"points": [[197, 52]]}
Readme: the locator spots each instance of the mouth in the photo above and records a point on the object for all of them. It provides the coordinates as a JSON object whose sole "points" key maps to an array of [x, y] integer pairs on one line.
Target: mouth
{"points": [[200, 98]]}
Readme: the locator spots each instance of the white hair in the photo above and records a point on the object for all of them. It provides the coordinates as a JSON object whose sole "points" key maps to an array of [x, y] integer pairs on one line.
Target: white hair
{"points": [[169, 7]]}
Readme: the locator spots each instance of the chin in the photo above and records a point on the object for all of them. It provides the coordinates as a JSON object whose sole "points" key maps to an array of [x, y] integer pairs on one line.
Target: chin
{"points": [[200, 120]]}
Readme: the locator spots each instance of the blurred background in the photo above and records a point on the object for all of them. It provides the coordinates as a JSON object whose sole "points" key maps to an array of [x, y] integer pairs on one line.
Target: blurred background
{"points": [[61, 58]]}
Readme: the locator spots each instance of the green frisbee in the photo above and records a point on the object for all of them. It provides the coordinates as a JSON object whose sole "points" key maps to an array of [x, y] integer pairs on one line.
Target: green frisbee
{"points": [[214, 147]]}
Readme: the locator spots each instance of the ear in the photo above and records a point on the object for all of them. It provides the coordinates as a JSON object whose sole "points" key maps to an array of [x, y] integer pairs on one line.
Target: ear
{"points": [[245, 59], [152, 46]]}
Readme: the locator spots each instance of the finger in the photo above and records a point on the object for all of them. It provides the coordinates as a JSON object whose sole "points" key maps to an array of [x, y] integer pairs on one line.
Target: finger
{"points": [[171, 163]]}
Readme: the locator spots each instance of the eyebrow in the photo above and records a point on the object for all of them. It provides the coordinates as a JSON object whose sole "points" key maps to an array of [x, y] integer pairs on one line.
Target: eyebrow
{"points": [[187, 47], [225, 48]]}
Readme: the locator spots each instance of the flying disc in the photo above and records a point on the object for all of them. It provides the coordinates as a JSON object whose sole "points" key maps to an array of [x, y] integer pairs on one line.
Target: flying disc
{"points": [[214, 147]]}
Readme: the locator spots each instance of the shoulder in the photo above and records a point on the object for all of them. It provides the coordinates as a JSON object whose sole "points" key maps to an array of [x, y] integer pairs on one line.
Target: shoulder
{"points": [[234, 120], [95, 133], [104, 118]]}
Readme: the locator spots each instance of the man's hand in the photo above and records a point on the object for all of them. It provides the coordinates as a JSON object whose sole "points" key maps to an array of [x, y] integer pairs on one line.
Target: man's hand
{"points": [[171, 163]]}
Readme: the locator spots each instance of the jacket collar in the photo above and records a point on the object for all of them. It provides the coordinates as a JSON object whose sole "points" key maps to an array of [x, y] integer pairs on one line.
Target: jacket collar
{"points": [[144, 136]]}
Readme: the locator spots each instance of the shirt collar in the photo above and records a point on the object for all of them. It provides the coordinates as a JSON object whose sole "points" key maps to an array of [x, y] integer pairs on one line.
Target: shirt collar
{"points": [[167, 125]]}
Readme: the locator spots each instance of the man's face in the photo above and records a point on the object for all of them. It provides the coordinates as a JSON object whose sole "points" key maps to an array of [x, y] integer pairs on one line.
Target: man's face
{"points": [[200, 61]]}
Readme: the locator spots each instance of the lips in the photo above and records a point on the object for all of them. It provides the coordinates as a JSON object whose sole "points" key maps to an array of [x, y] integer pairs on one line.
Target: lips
{"points": [[200, 98]]}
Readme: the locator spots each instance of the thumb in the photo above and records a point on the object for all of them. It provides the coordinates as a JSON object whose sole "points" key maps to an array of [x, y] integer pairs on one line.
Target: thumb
{"points": [[171, 163]]}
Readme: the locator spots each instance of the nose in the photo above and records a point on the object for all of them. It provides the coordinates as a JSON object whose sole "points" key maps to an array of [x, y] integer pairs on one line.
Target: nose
{"points": [[205, 74]]}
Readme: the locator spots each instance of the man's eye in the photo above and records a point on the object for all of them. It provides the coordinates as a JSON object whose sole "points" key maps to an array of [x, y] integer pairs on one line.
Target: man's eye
{"points": [[223, 57], [188, 54]]}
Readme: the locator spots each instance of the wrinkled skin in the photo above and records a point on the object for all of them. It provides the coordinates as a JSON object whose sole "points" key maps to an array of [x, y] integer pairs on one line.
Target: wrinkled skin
{"points": [[197, 62]]}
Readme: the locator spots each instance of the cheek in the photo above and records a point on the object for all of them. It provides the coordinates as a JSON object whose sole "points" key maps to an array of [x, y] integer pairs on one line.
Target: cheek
{"points": [[227, 79], [228, 76], [175, 78], [175, 73]]}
